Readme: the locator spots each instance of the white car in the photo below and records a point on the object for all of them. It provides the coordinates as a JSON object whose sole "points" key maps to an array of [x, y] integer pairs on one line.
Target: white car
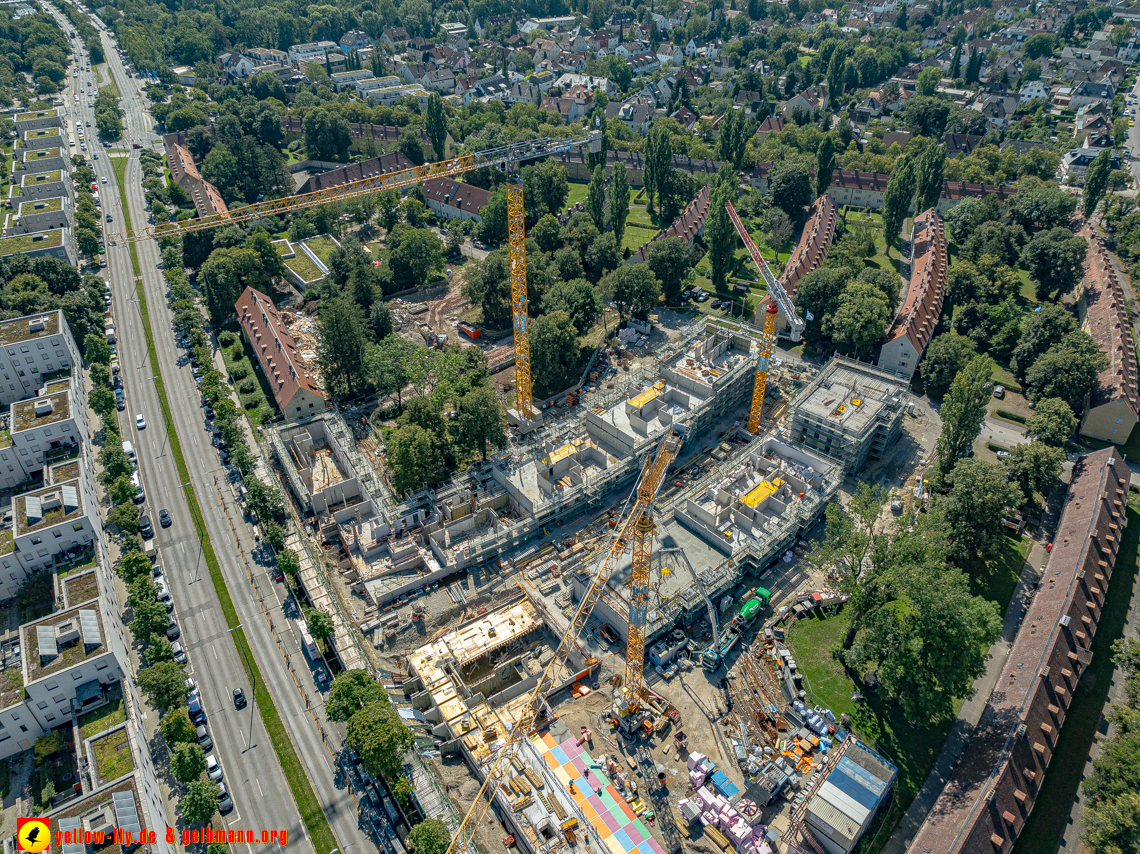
{"points": [[104, 179], [179, 653], [213, 769], [140, 422]]}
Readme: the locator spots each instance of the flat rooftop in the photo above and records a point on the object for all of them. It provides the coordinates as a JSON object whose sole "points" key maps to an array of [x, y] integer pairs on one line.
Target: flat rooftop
{"points": [[117, 806], [28, 328], [36, 206], [43, 508], [40, 133], [62, 640], [36, 411], [41, 154], [36, 114], [28, 242], [41, 178], [849, 399]]}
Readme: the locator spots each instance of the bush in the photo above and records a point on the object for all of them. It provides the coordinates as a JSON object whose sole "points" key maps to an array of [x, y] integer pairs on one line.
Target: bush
{"points": [[226, 338], [47, 794], [236, 353], [254, 402], [1012, 416], [247, 387], [239, 373]]}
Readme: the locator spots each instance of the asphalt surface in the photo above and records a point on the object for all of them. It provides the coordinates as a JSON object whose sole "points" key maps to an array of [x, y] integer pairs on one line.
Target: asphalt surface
{"points": [[252, 773]]}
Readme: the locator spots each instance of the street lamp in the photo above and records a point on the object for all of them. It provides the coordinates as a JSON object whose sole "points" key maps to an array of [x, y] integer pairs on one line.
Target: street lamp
{"points": [[252, 688]]}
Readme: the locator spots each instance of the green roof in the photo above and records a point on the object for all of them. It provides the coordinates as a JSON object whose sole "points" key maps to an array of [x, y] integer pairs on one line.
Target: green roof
{"points": [[37, 114], [28, 242], [42, 178], [19, 328], [35, 206], [41, 154]]}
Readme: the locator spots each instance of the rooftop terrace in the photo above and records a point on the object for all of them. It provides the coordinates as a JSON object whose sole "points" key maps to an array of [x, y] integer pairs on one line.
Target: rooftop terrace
{"points": [[62, 640], [43, 508], [27, 328], [40, 411], [27, 242]]}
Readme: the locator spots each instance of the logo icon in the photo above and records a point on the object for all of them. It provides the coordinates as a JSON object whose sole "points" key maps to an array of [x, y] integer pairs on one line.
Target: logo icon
{"points": [[32, 835]]}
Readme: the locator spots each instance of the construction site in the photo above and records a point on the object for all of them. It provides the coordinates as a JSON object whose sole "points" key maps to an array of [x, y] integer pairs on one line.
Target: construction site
{"points": [[587, 627]]}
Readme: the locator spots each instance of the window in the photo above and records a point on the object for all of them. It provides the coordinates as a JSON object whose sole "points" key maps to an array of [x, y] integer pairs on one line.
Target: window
{"points": [[102, 666], [37, 540], [50, 718], [1113, 430], [1119, 420], [57, 534], [52, 686], [76, 676], [59, 698], [41, 705], [77, 526]]}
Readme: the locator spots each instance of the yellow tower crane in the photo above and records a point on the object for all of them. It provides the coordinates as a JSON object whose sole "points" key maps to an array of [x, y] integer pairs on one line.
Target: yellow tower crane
{"points": [[780, 301], [506, 157]]}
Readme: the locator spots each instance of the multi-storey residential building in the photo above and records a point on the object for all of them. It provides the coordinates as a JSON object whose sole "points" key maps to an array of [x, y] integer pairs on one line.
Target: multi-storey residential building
{"points": [[37, 120], [56, 243], [38, 215], [45, 160], [31, 348], [55, 523], [43, 430], [299, 54], [48, 137], [914, 326], [45, 185]]}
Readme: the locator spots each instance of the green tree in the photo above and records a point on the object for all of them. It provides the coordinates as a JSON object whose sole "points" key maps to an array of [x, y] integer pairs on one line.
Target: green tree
{"points": [[488, 286], [392, 364], [341, 349], [1042, 330], [545, 189], [1053, 423], [671, 262], [928, 80], [436, 125], [479, 421], [410, 146], [176, 728], [1069, 370], [380, 738], [1055, 260], [149, 619], [319, 623], [824, 165], [603, 255], [159, 649], [125, 517], [896, 200], [187, 762], [414, 455], [658, 162], [350, 692], [596, 198], [928, 189], [122, 490], [430, 836], [578, 299], [554, 350], [263, 501], [288, 562], [789, 188], [634, 290], [945, 356], [415, 255], [963, 410], [720, 235], [1035, 467], [164, 685], [861, 318], [1096, 180], [974, 506], [619, 200], [327, 134], [1041, 207], [96, 349], [199, 803], [547, 233]]}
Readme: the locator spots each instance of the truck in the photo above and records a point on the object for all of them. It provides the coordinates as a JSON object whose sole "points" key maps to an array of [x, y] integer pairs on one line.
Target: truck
{"points": [[307, 642], [150, 548]]}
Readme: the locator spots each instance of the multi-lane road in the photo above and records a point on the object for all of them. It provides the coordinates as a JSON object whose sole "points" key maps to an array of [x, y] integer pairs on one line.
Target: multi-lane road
{"points": [[253, 774]]}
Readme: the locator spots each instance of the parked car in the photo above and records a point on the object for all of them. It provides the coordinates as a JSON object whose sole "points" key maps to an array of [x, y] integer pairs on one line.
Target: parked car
{"points": [[163, 594], [172, 630], [179, 653], [204, 740], [225, 802], [194, 707], [145, 528], [213, 769], [999, 391], [156, 572]]}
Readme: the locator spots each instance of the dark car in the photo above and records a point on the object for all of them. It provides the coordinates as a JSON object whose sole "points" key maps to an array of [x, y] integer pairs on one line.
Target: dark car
{"points": [[197, 713], [140, 496], [172, 630], [120, 404], [164, 518], [145, 527], [239, 698]]}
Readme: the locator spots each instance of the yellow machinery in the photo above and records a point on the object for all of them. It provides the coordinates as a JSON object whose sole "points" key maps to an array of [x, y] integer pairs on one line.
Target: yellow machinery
{"points": [[643, 528], [505, 157], [652, 475], [779, 301]]}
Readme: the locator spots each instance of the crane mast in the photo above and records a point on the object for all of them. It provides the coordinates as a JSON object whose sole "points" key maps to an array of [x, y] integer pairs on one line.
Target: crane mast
{"points": [[506, 157], [653, 475], [775, 288]]}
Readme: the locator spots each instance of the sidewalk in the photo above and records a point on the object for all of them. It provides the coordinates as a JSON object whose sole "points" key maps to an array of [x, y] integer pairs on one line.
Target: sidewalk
{"points": [[971, 711]]}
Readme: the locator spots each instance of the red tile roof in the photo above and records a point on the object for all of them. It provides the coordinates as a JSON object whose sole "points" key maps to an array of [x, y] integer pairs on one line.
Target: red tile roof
{"points": [[1106, 319], [356, 171], [207, 200], [814, 243], [275, 348], [923, 304], [984, 804], [687, 226], [463, 197]]}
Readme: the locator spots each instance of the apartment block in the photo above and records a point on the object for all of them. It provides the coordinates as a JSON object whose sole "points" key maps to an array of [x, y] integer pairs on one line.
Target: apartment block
{"points": [[45, 160], [37, 120], [50, 137], [851, 411], [31, 348], [38, 215], [45, 185], [310, 51], [914, 326], [43, 430]]}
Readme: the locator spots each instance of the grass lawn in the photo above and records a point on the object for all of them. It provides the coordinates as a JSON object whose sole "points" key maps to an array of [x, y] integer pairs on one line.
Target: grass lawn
{"points": [[107, 79], [998, 584], [108, 716], [1131, 448], [303, 266], [1066, 769], [577, 194], [877, 721], [249, 383], [635, 236], [113, 755]]}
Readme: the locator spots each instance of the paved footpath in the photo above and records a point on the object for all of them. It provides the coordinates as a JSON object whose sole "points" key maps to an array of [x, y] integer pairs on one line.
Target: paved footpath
{"points": [[971, 711]]}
